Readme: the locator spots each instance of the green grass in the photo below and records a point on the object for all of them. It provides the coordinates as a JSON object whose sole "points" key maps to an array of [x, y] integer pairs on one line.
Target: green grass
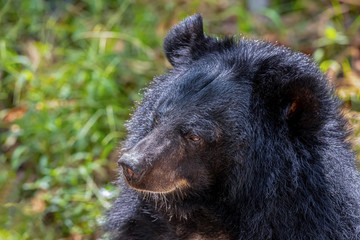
{"points": [[70, 72]]}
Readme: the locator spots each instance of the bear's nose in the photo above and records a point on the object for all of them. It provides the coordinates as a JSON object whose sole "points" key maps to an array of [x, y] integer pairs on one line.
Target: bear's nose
{"points": [[132, 172]]}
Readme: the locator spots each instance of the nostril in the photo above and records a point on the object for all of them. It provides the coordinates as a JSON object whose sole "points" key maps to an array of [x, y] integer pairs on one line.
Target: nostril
{"points": [[127, 171], [130, 172]]}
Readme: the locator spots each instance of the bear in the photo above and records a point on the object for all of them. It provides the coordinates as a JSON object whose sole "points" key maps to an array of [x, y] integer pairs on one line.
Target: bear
{"points": [[240, 139]]}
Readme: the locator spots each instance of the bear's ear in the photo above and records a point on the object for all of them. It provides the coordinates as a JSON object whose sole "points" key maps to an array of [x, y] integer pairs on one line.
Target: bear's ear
{"points": [[185, 41], [304, 108]]}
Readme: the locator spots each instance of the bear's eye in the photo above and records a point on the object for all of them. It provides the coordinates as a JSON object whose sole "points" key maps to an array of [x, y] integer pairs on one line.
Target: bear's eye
{"points": [[193, 137]]}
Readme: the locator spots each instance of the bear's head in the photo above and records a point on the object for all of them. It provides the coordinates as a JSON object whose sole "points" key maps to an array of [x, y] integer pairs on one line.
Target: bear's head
{"points": [[226, 108]]}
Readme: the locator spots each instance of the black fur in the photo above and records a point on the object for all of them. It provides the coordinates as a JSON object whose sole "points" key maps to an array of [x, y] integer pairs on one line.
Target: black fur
{"points": [[254, 133]]}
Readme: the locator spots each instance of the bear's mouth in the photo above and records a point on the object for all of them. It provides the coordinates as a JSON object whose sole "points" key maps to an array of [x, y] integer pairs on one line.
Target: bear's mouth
{"points": [[178, 186]]}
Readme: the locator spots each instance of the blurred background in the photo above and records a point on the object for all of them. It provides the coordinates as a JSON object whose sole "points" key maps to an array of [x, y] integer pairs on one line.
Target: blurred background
{"points": [[70, 72]]}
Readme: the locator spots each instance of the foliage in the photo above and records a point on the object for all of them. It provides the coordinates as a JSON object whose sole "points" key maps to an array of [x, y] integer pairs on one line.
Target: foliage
{"points": [[71, 70]]}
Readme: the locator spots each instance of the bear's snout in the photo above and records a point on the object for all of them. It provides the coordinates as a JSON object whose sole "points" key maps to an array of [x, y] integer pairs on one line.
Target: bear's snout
{"points": [[132, 171]]}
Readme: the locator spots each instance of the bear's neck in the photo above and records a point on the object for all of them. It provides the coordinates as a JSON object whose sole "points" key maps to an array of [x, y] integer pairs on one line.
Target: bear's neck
{"points": [[293, 194]]}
